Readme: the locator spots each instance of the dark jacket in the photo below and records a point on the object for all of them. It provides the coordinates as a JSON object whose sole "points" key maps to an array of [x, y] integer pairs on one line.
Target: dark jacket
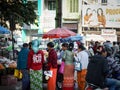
{"points": [[97, 70]]}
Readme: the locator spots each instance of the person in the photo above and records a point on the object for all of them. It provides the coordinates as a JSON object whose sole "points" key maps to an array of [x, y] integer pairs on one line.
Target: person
{"points": [[112, 80], [96, 46], [22, 65], [101, 17], [52, 65], [101, 65], [30, 43], [97, 70], [59, 74], [68, 74], [82, 56], [87, 16], [115, 48], [35, 63]]}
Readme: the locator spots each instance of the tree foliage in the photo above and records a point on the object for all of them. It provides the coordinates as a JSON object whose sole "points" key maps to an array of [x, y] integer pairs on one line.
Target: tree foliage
{"points": [[21, 11]]}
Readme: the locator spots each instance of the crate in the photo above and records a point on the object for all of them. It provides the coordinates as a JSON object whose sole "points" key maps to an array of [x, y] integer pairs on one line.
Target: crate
{"points": [[8, 80]]}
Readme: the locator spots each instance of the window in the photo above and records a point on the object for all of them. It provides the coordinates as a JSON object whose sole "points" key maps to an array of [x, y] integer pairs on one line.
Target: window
{"points": [[73, 6], [51, 5], [104, 1]]}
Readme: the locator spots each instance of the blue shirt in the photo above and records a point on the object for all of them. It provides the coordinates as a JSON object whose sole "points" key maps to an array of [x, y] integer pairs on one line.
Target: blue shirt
{"points": [[22, 58]]}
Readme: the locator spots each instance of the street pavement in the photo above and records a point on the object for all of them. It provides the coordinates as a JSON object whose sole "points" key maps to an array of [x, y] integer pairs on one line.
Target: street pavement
{"points": [[18, 86]]}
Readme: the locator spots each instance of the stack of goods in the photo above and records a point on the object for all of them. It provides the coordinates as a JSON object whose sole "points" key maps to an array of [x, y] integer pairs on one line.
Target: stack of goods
{"points": [[8, 63]]}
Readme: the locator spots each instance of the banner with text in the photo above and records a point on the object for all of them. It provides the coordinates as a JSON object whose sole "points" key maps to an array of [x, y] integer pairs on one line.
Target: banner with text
{"points": [[100, 16]]}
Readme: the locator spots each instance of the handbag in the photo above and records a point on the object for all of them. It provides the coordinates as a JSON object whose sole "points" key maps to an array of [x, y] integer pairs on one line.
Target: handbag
{"points": [[61, 69], [78, 66], [17, 74]]}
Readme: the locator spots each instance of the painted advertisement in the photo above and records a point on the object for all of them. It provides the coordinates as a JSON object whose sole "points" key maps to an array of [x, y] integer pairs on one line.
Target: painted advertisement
{"points": [[100, 16]]}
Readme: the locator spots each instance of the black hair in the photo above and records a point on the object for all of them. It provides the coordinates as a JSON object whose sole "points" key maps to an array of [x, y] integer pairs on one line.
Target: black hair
{"points": [[50, 44], [108, 50], [25, 45], [81, 47], [71, 46], [114, 43], [65, 45], [30, 45]]}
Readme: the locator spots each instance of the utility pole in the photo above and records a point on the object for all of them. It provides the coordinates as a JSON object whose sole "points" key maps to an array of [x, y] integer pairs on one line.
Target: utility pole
{"points": [[58, 18]]}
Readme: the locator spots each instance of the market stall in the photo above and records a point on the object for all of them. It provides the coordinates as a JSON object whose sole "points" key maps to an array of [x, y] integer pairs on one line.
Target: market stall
{"points": [[7, 64]]}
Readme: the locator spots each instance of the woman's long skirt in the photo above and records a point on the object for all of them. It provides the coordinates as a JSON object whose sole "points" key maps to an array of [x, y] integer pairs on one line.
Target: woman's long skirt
{"points": [[52, 80], [68, 82], [81, 79], [36, 80]]}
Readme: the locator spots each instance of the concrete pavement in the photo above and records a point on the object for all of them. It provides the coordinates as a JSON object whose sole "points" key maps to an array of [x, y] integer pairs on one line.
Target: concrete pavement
{"points": [[18, 86]]}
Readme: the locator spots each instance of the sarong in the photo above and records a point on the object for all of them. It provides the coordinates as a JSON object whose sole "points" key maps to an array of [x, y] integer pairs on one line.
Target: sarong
{"points": [[68, 82], [52, 80], [81, 79], [36, 80]]}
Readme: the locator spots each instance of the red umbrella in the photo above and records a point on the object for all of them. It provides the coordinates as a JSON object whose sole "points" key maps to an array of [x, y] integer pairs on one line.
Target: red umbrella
{"points": [[58, 33]]}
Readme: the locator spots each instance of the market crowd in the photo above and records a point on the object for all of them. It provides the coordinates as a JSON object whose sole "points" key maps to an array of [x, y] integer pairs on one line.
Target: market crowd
{"points": [[65, 67]]}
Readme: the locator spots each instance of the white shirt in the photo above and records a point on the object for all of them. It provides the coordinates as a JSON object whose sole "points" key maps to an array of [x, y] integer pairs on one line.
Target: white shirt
{"points": [[82, 56]]}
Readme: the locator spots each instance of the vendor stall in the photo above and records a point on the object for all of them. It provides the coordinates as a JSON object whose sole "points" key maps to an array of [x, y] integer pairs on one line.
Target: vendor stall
{"points": [[7, 67], [7, 64]]}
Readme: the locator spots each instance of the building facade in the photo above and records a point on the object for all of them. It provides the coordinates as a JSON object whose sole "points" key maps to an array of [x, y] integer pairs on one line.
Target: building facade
{"points": [[46, 11], [100, 17]]}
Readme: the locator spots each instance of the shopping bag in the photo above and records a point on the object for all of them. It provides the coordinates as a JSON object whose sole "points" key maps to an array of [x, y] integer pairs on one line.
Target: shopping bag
{"points": [[17, 74], [48, 74], [61, 69], [78, 66]]}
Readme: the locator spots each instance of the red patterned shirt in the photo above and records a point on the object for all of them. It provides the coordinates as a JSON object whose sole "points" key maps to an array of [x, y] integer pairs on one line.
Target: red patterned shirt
{"points": [[35, 61]]}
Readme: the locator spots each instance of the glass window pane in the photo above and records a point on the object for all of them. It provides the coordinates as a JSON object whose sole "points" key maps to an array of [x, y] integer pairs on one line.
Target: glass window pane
{"points": [[51, 5]]}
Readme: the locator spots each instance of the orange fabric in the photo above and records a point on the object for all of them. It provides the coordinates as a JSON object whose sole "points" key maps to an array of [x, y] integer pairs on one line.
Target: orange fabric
{"points": [[102, 20], [81, 79], [86, 18], [52, 80], [68, 82]]}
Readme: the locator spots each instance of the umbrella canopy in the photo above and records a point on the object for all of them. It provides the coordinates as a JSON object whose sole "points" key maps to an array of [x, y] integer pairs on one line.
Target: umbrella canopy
{"points": [[58, 33], [74, 38], [4, 30]]}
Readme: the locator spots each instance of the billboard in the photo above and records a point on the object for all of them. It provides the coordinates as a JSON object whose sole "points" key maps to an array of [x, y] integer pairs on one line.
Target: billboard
{"points": [[100, 16]]}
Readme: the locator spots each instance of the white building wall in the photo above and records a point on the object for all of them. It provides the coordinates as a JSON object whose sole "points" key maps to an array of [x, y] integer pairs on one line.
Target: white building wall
{"points": [[47, 17]]}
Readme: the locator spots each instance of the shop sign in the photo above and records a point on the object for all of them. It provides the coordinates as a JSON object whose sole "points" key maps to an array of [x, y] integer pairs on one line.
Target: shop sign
{"points": [[108, 32]]}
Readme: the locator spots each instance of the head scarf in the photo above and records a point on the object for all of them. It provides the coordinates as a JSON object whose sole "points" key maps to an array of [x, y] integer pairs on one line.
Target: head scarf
{"points": [[35, 45]]}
